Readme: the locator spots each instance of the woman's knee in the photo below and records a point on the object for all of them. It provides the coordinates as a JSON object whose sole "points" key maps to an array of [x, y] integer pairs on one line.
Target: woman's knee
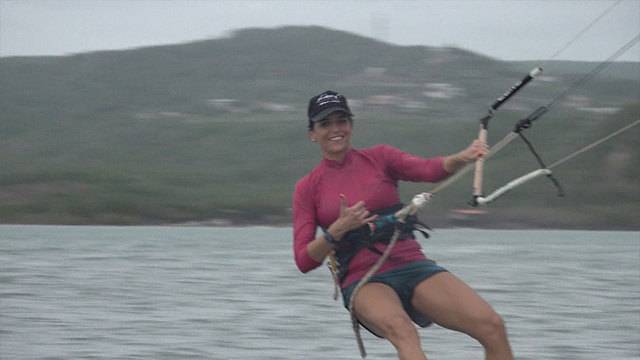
{"points": [[398, 328], [491, 328]]}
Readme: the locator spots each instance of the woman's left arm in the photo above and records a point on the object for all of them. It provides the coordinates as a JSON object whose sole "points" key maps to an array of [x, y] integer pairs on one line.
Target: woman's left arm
{"points": [[457, 161]]}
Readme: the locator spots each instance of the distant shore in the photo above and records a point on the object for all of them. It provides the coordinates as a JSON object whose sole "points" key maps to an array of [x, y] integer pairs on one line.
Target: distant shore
{"points": [[505, 224]]}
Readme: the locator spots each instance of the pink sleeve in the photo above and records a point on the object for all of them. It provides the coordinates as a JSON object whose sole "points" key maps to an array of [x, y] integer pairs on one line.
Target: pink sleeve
{"points": [[407, 167], [304, 226]]}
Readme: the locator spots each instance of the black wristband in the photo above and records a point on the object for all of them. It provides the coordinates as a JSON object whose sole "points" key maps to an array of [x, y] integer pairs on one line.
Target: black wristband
{"points": [[329, 238]]}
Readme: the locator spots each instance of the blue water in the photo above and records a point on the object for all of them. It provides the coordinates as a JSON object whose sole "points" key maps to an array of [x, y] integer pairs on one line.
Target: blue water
{"points": [[234, 293]]}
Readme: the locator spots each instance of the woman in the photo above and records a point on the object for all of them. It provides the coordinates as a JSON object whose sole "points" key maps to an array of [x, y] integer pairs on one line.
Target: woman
{"points": [[341, 195]]}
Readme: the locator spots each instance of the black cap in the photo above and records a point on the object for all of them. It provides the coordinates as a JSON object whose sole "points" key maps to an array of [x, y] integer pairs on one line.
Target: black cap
{"points": [[320, 106]]}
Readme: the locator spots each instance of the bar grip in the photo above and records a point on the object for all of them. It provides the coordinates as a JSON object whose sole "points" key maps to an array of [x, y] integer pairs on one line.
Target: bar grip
{"points": [[515, 88]]}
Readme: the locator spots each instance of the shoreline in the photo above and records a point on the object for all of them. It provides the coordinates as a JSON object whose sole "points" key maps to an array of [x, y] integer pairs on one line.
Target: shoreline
{"points": [[228, 223]]}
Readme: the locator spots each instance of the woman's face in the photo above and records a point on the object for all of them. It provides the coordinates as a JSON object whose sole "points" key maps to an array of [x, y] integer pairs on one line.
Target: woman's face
{"points": [[333, 134]]}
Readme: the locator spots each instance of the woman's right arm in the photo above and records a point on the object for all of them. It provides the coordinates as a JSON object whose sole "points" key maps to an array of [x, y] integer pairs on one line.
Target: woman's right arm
{"points": [[304, 227], [309, 250], [321, 246]]}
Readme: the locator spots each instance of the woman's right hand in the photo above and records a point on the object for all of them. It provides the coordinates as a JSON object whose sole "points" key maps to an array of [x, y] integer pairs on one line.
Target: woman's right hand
{"points": [[351, 217]]}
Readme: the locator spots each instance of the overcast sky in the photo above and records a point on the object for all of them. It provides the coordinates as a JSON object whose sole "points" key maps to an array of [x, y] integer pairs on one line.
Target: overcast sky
{"points": [[507, 30]]}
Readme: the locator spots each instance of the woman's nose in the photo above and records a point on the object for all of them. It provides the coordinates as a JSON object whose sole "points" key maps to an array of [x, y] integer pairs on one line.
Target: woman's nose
{"points": [[334, 125]]}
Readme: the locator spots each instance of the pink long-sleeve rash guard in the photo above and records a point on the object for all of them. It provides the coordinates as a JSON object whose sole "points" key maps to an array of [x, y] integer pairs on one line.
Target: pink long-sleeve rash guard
{"points": [[370, 175]]}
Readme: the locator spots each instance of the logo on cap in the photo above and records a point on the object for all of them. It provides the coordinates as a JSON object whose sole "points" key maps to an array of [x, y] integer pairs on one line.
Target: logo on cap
{"points": [[327, 98]]}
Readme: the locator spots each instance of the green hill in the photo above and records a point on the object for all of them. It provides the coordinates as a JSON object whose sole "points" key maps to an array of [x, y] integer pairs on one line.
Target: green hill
{"points": [[216, 129]]}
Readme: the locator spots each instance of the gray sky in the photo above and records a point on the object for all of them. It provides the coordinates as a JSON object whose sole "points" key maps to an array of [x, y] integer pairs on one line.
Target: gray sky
{"points": [[507, 29]]}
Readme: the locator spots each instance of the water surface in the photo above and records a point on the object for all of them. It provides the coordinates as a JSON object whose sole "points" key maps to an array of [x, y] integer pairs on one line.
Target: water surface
{"points": [[234, 293]]}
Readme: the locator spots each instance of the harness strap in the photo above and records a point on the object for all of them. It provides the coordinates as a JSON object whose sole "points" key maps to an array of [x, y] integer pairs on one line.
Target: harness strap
{"points": [[379, 231], [401, 217]]}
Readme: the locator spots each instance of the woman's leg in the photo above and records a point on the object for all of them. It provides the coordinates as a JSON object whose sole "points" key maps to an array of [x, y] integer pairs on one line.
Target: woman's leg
{"points": [[379, 308], [451, 303]]}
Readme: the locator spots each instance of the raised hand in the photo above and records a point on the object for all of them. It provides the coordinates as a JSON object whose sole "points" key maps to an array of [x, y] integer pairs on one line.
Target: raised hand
{"points": [[352, 217]]}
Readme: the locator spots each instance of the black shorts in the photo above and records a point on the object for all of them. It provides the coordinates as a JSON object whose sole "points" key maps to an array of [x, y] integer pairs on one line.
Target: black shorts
{"points": [[402, 280]]}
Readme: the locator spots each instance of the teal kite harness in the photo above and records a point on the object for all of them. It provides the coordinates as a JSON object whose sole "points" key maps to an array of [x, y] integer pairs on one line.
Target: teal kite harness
{"points": [[378, 231]]}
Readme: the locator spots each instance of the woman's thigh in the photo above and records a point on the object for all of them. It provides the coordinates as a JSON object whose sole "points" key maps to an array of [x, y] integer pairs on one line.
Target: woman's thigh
{"points": [[451, 303], [378, 307]]}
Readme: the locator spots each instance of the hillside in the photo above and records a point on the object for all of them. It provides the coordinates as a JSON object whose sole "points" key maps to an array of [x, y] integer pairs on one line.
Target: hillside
{"points": [[216, 129]]}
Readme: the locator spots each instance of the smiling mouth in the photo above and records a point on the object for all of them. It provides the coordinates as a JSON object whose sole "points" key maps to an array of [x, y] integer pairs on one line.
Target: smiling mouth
{"points": [[336, 138]]}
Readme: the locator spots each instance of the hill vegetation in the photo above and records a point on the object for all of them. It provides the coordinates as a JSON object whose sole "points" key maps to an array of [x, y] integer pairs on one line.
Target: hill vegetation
{"points": [[215, 131]]}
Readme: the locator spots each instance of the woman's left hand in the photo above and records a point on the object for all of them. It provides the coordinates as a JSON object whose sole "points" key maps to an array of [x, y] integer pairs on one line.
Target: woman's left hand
{"points": [[477, 149]]}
